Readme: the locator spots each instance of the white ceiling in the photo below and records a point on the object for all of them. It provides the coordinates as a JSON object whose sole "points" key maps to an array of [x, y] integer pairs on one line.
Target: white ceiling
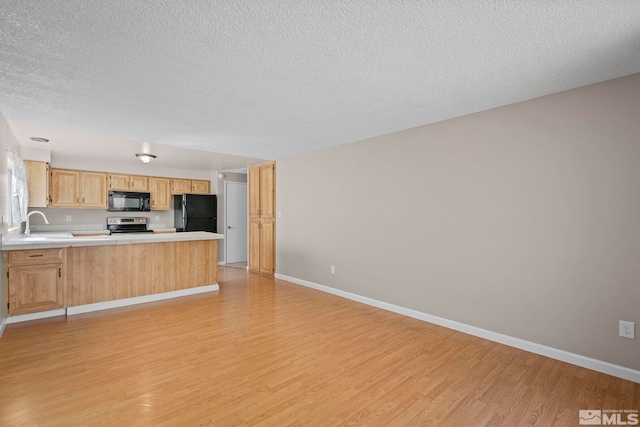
{"points": [[274, 78]]}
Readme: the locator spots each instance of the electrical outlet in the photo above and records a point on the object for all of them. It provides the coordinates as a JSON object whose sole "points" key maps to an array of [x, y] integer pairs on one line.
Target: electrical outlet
{"points": [[333, 269], [627, 329], [157, 217], [68, 218]]}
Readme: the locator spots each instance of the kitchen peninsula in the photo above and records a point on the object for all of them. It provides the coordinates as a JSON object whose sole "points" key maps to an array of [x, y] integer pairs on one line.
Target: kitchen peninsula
{"points": [[52, 274]]}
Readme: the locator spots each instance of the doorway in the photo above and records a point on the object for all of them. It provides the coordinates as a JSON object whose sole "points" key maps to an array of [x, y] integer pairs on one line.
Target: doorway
{"points": [[235, 227]]}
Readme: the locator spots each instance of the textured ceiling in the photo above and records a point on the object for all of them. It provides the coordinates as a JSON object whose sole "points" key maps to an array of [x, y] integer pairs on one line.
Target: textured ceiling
{"points": [[274, 78]]}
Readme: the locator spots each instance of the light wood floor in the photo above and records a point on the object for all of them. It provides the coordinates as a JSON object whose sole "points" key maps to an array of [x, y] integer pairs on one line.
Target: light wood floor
{"points": [[267, 352]]}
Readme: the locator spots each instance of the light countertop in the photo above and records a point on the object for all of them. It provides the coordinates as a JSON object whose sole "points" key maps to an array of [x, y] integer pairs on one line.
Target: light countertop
{"points": [[57, 239]]}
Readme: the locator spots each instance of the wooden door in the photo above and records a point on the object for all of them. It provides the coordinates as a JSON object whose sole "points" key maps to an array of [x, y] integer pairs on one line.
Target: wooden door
{"points": [[267, 247], [267, 191], [65, 188], [254, 245], [160, 193], [94, 190], [34, 288], [38, 183], [253, 179]]}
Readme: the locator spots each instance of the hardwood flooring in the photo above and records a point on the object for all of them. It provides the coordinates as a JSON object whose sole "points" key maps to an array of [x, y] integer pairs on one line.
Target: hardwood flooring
{"points": [[264, 352]]}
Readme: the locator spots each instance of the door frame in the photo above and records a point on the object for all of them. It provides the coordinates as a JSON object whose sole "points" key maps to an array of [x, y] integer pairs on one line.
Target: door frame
{"points": [[226, 217]]}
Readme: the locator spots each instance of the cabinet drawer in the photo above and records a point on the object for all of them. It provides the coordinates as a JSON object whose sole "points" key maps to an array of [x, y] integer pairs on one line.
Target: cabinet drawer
{"points": [[36, 256]]}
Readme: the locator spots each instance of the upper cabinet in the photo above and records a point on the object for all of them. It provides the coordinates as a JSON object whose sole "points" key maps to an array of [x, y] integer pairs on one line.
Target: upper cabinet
{"points": [[74, 189], [160, 189], [262, 191], [93, 190], [128, 182], [38, 183], [65, 188], [200, 186], [192, 186], [180, 186]]}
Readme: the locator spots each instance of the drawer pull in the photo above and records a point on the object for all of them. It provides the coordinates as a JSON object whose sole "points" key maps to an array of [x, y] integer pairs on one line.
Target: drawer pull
{"points": [[36, 256]]}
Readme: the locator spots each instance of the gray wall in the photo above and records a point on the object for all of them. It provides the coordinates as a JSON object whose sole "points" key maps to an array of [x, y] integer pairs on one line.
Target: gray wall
{"points": [[522, 220]]}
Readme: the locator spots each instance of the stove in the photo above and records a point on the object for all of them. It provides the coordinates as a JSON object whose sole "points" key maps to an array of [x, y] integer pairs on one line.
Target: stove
{"points": [[134, 224]]}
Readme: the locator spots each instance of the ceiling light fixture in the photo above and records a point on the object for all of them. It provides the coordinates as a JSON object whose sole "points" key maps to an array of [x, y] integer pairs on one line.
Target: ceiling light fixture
{"points": [[37, 139], [220, 175], [146, 158]]}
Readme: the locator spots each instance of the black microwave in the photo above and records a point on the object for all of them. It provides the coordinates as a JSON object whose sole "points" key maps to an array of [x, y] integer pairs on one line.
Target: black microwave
{"points": [[128, 201]]}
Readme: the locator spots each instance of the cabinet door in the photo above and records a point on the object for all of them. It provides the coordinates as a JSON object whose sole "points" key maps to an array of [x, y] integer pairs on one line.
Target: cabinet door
{"points": [[38, 183], [94, 190], [253, 179], [65, 188], [180, 186], [254, 245], [34, 288], [267, 191], [138, 183], [118, 182], [200, 187], [267, 246], [160, 193]]}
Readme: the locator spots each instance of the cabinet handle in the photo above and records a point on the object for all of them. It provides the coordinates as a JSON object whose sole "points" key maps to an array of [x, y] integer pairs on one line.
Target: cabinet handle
{"points": [[59, 272], [36, 256]]}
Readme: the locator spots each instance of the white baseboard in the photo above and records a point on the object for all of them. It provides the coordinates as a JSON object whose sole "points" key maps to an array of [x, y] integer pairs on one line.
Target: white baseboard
{"points": [[222, 263], [140, 300], [553, 353], [3, 325], [35, 316], [70, 311]]}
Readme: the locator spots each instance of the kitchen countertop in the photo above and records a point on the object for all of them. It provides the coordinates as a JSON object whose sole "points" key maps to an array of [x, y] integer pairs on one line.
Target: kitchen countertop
{"points": [[57, 239]]}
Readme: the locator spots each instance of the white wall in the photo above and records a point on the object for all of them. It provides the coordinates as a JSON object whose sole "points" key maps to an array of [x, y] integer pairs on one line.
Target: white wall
{"points": [[522, 220], [7, 142]]}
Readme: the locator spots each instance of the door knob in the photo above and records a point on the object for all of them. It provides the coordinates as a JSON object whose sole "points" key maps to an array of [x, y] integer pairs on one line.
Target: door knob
{"points": [[228, 226]]}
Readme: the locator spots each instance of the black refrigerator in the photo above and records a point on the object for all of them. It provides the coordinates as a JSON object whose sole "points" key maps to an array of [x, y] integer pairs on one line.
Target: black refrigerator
{"points": [[195, 212]]}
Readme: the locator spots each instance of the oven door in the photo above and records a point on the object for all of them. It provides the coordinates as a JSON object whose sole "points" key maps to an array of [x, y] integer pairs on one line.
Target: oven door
{"points": [[124, 201]]}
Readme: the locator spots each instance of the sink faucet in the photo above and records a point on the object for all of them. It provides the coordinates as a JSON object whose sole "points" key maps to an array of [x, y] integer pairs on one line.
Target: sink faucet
{"points": [[27, 231]]}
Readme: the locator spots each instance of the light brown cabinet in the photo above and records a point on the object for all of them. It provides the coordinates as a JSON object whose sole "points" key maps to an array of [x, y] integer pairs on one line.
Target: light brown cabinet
{"points": [[37, 183], [93, 190], [111, 272], [200, 186], [75, 189], [190, 186], [261, 181], [65, 188], [160, 189], [36, 280], [128, 182], [180, 186]]}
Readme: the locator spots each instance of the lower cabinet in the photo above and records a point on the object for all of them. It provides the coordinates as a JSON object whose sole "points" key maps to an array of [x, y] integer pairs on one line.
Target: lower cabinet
{"points": [[49, 279], [111, 272], [261, 244], [36, 281]]}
